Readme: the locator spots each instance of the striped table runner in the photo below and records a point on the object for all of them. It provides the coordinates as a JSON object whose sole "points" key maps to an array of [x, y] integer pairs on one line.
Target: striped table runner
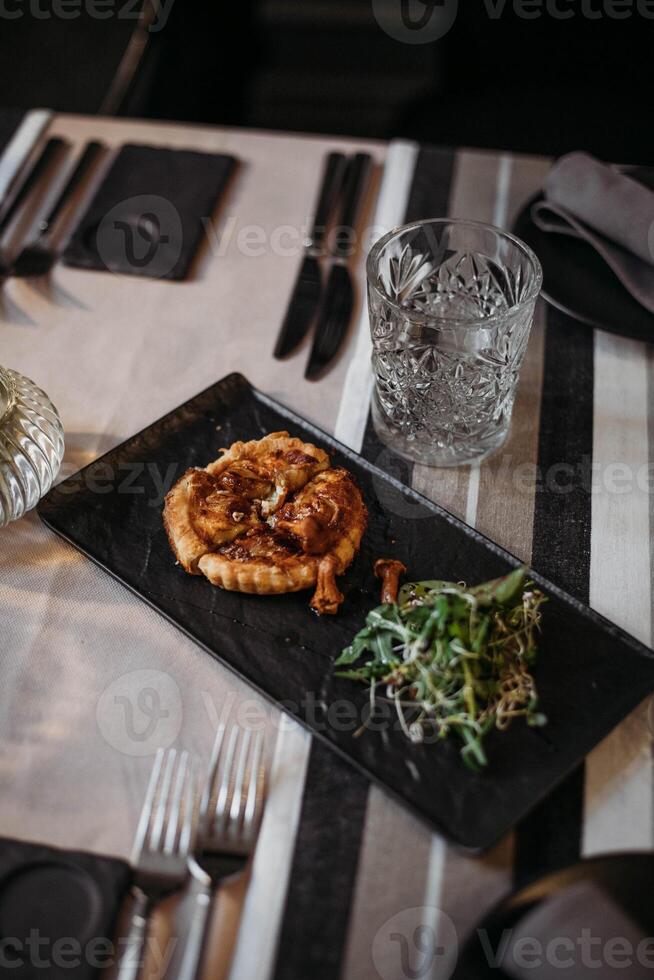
{"points": [[569, 494]]}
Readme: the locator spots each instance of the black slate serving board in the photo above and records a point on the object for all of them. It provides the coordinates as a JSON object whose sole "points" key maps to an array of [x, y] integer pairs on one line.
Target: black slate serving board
{"points": [[590, 674]]}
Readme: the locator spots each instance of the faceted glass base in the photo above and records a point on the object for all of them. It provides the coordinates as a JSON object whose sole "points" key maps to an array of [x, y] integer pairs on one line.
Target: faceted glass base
{"points": [[434, 452]]}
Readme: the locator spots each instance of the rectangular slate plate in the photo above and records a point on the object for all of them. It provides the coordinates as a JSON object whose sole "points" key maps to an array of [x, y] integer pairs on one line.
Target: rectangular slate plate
{"points": [[590, 674]]}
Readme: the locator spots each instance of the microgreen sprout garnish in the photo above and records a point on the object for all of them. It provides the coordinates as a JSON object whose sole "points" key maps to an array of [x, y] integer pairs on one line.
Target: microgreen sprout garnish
{"points": [[453, 659]]}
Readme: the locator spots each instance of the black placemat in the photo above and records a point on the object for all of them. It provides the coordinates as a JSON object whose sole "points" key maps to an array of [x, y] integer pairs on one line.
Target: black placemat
{"points": [[590, 674], [58, 911], [149, 213]]}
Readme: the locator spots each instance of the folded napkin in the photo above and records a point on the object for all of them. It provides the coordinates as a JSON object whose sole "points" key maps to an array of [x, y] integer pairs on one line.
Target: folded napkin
{"points": [[581, 932], [609, 210], [149, 214]]}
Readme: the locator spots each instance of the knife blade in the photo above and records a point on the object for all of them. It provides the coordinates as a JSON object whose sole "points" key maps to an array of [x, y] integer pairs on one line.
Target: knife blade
{"points": [[305, 297], [302, 307], [333, 321], [338, 304]]}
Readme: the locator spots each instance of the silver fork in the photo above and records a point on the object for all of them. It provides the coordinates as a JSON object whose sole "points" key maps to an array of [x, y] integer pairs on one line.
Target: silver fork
{"points": [[230, 813], [161, 849]]}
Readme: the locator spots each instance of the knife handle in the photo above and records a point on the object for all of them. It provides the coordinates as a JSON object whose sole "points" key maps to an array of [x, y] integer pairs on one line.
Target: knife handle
{"points": [[191, 921], [355, 180], [332, 182]]}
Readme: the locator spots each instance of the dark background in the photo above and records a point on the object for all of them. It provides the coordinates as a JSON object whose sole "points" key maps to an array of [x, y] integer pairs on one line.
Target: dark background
{"points": [[542, 84]]}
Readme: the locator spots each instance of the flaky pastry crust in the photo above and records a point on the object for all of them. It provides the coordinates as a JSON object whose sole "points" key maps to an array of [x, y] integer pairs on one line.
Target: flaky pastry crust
{"points": [[269, 516]]}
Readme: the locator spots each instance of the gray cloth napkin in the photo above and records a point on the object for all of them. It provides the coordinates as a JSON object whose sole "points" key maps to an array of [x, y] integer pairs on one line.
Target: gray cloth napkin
{"points": [[578, 933], [613, 213]]}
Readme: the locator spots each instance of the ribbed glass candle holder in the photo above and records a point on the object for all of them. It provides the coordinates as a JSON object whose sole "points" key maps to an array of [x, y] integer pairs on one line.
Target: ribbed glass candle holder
{"points": [[31, 445]]}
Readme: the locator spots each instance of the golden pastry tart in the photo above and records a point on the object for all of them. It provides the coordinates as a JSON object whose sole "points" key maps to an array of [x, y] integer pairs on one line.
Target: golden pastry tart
{"points": [[269, 516]]}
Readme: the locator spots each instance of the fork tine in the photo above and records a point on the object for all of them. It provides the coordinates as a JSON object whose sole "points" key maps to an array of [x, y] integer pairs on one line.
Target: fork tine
{"points": [[162, 804], [223, 793], [172, 827], [249, 816], [148, 805], [239, 780], [214, 762], [188, 823]]}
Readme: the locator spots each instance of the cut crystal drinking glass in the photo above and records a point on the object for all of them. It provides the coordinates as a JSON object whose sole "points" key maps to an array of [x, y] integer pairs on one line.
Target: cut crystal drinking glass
{"points": [[31, 445], [451, 305]]}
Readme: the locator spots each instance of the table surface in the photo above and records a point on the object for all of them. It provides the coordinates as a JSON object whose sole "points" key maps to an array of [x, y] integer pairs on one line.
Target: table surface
{"points": [[76, 732]]}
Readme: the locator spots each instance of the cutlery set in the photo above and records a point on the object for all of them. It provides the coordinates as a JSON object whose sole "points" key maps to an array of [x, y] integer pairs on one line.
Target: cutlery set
{"points": [[330, 306], [326, 303], [37, 256], [179, 844]]}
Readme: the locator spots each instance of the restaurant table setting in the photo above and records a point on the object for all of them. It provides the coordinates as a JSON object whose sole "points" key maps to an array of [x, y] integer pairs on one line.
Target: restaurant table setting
{"points": [[490, 438]]}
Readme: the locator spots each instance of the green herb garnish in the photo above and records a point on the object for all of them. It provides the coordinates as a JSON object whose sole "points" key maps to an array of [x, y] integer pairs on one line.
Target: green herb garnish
{"points": [[453, 659]]}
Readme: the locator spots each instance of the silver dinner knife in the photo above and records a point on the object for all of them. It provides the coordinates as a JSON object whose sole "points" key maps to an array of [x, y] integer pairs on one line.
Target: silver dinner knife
{"points": [[306, 294]]}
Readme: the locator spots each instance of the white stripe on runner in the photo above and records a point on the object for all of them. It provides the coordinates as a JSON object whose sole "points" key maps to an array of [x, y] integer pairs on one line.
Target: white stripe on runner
{"points": [[21, 144], [391, 207], [436, 873], [618, 791], [501, 209], [266, 895], [473, 494], [499, 218], [433, 913]]}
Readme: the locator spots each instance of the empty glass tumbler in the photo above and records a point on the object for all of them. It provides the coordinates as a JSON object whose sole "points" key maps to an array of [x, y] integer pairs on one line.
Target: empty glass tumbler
{"points": [[451, 305]]}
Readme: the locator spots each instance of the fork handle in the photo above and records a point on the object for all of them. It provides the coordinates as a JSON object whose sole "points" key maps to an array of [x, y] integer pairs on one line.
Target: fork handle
{"points": [[191, 919], [355, 185], [332, 180], [132, 954]]}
